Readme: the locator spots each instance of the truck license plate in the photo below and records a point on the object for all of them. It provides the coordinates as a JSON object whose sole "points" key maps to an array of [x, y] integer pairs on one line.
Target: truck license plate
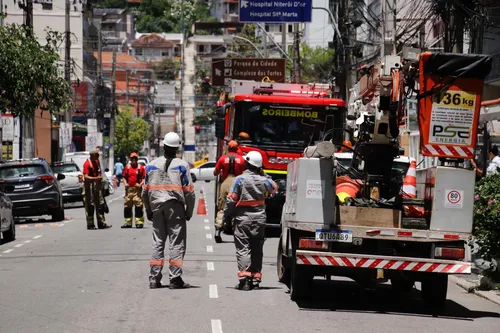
{"points": [[341, 236]]}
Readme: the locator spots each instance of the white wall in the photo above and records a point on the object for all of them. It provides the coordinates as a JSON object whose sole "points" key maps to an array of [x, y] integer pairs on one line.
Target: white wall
{"points": [[320, 31], [55, 19]]}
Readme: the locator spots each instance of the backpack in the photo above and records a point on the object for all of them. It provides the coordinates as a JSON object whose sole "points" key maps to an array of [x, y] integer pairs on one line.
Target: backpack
{"points": [[232, 160]]}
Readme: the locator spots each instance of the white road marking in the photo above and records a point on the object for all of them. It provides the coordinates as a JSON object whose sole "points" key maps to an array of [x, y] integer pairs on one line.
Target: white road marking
{"points": [[37, 236], [18, 245], [114, 199], [28, 241], [207, 227], [8, 251], [206, 221], [210, 266], [210, 248], [213, 291], [216, 326], [209, 236]]}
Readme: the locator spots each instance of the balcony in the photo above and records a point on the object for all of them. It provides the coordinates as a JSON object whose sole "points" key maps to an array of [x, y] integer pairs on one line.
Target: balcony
{"points": [[494, 77], [231, 18]]}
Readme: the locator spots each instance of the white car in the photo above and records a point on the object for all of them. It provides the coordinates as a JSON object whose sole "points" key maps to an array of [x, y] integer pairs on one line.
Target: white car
{"points": [[204, 172]]}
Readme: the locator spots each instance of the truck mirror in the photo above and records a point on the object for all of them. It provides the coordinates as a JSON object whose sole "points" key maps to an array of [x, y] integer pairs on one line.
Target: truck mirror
{"points": [[219, 128]]}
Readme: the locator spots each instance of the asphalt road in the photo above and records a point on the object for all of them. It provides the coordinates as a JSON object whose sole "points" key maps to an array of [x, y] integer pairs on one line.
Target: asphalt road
{"points": [[62, 278]]}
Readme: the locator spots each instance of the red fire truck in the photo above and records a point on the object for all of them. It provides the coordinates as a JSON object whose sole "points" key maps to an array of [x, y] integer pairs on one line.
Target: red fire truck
{"points": [[281, 120]]}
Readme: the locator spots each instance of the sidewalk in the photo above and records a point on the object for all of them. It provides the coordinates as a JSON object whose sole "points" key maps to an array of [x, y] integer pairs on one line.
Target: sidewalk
{"points": [[471, 282]]}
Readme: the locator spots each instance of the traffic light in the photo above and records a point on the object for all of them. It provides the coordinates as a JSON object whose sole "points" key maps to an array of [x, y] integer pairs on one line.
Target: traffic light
{"points": [[197, 128]]}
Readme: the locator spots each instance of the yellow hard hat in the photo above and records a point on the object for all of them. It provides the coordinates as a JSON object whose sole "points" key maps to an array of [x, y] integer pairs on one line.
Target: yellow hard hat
{"points": [[343, 196]]}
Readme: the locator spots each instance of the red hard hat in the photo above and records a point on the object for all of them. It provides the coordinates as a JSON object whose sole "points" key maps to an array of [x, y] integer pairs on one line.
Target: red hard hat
{"points": [[347, 143], [134, 155]]}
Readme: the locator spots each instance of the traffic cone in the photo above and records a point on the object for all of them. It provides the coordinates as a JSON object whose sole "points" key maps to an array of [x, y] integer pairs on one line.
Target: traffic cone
{"points": [[410, 181], [202, 208]]}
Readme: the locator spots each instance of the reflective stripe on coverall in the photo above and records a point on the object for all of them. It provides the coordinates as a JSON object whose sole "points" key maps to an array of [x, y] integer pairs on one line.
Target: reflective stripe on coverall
{"points": [[170, 198], [246, 204]]}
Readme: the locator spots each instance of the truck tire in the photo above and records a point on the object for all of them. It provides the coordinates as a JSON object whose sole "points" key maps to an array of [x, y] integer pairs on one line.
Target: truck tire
{"points": [[193, 178], [434, 290], [10, 235], [281, 266], [300, 284]]}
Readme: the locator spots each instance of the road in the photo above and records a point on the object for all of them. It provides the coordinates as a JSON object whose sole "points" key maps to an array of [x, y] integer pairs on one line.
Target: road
{"points": [[63, 278]]}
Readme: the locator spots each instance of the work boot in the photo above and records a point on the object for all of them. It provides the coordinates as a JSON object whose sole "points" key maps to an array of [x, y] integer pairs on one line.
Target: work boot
{"points": [[126, 226], [90, 227], [155, 285], [103, 226], [244, 284], [128, 223], [178, 283], [139, 222]]}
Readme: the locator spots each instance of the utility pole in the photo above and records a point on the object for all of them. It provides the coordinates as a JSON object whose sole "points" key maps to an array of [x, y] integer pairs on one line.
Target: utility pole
{"points": [[296, 53], [284, 31], [126, 89], [183, 51], [138, 108], [100, 114], [340, 50], [27, 145], [112, 124], [67, 67]]}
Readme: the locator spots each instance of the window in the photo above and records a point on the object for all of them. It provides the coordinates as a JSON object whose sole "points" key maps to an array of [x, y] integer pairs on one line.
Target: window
{"points": [[267, 27], [290, 28], [201, 48], [165, 53], [207, 165], [138, 52], [22, 171]]}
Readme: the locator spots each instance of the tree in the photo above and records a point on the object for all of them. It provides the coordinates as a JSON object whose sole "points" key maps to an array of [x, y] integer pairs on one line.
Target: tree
{"points": [[167, 69], [119, 4], [131, 132], [29, 74], [316, 64], [244, 48]]}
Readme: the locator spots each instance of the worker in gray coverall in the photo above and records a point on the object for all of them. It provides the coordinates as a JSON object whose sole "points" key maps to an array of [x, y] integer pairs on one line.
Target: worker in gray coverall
{"points": [[169, 200], [246, 204]]}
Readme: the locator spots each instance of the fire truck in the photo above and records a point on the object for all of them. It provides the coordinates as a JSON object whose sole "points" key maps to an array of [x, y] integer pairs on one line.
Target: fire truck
{"points": [[374, 236], [280, 120]]}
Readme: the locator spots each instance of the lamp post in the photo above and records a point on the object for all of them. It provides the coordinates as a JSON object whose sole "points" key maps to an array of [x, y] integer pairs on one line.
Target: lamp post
{"points": [[228, 39]]}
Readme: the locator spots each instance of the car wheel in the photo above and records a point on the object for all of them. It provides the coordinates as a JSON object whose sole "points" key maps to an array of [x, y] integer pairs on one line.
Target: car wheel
{"points": [[193, 178], [10, 235], [58, 215]]}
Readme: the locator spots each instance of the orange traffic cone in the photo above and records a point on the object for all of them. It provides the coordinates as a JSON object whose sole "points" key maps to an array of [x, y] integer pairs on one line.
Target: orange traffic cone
{"points": [[410, 181], [202, 208]]}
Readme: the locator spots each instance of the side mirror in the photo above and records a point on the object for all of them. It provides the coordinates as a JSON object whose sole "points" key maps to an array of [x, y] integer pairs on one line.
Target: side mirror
{"points": [[219, 128], [60, 176]]}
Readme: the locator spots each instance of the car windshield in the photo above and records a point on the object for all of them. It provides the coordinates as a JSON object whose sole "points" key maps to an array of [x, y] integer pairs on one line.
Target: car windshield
{"points": [[286, 125], [16, 171], [65, 168]]}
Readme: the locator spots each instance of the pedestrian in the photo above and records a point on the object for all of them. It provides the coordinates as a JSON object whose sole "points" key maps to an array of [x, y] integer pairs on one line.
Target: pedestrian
{"points": [[245, 203], [169, 200], [228, 167], [93, 197], [494, 166], [118, 171], [134, 175]]}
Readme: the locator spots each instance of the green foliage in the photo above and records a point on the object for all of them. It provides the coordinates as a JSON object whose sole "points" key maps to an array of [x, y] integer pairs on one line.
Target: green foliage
{"points": [[165, 15], [167, 69], [315, 63], [487, 215], [130, 132], [119, 4], [29, 75], [244, 48]]}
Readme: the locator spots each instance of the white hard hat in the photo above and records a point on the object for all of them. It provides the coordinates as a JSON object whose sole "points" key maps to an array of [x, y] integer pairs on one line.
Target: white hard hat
{"points": [[254, 158], [172, 140]]}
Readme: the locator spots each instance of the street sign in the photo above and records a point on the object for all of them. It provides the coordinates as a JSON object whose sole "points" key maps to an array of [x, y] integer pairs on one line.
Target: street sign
{"points": [[7, 127], [298, 11], [65, 134], [93, 140], [255, 69]]}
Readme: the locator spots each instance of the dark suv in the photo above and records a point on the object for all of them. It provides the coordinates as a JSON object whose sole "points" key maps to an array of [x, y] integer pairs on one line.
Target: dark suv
{"points": [[32, 188]]}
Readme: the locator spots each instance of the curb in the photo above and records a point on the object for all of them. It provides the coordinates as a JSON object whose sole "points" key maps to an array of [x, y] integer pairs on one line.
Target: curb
{"points": [[471, 288]]}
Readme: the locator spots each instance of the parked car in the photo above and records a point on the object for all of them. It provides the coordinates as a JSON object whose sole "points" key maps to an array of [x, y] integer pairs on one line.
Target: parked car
{"points": [[143, 159], [79, 159], [7, 224], [72, 185], [33, 188], [204, 172]]}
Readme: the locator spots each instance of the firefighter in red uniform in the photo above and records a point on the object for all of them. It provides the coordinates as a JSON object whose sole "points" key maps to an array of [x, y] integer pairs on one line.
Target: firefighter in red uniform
{"points": [[229, 166], [133, 176], [93, 197]]}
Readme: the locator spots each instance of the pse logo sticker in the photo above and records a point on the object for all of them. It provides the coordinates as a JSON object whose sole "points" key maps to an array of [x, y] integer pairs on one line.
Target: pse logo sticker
{"points": [[314, 189], [452, 118]]}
